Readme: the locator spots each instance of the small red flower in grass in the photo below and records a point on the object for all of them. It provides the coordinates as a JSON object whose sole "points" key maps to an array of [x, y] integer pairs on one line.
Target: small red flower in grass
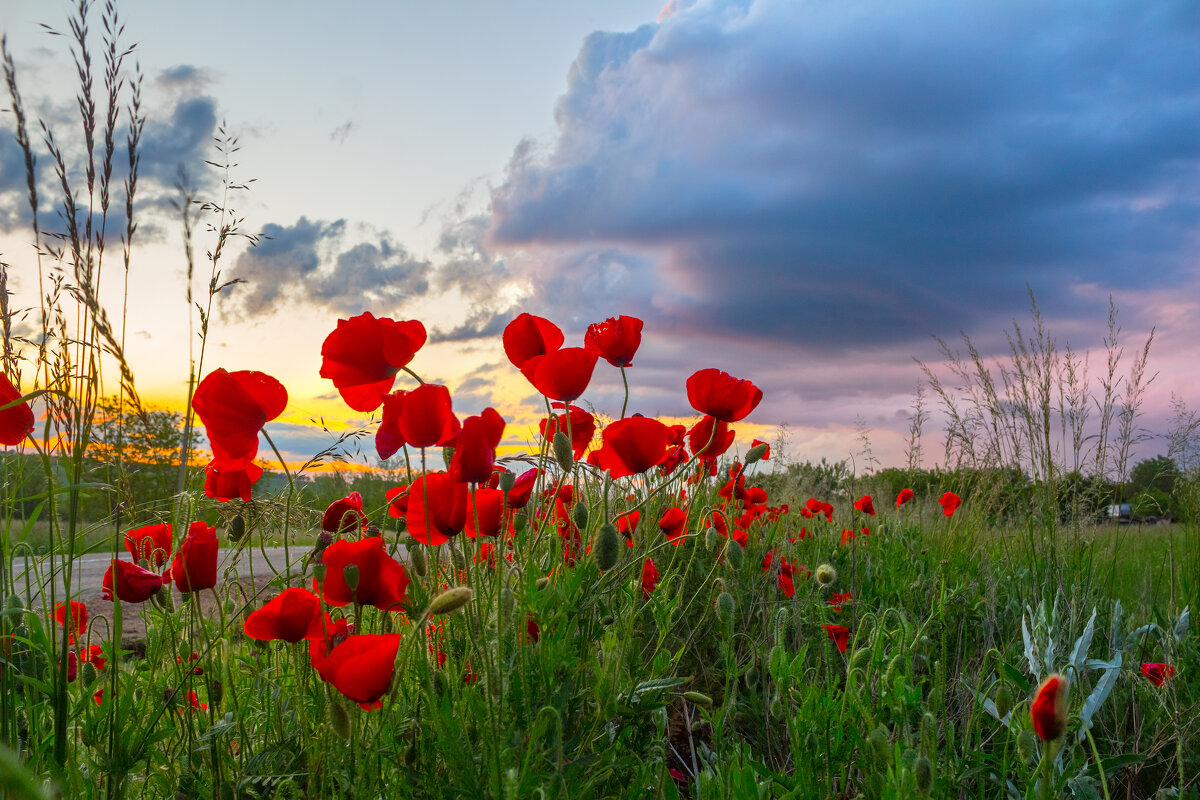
{"points": [[528, 336], [784, 579], [362, 667], [194, 701], [673, 524], [839, 635], [950, 501], [561, 375], [345, 515], [363, 354], [649, 578], [719, 394], [224, 485], [904, 496], [382, 581], [475, 449], [485, 513], [94, 655], [1158, 673], [437, 508], [133, 584], [79, 617], [838, 599], [1049, 710], [234, 406], [16, 422], [522, 490], [627, 524], [615, 340], [532, 631], [634, 445], [291, 616], [865, 505], [709, 438], [195, 564]]}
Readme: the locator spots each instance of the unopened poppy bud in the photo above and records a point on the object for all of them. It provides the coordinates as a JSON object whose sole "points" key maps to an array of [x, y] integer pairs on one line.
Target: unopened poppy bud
{"points": [[144, 563], [542, 583], [725, 607], [373, 530], [826, 574], [14, 608], [319, 572], [923, 772], [751, 677], [607, 549], [451, 600], [733, 551], [87, 674], [712, 540], [580, 515], [350, 576], [929, 733], [324, 539], [702, 700], [1026, 747], [1049, 710], [879, 746], [1004, 700], [777, 708], [401, 526], [507, 481], [908, 759], [562, 451], [860, 659], [457, 558], [237, 528], [339, 720], [756, 453], [440, 684], [416, 557]]}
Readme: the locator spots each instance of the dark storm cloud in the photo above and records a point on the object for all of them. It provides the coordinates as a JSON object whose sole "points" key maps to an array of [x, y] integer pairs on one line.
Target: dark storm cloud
{"points": [[184, 140], [310, 262]]}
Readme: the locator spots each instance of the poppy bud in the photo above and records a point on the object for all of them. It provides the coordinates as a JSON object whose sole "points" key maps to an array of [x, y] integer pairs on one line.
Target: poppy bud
{"points": [[712, 540], [826, 574], [1026, 747], [350, 576], [929, 733], [507, 481], [751, 677], [339, 720], [402, 525], [1049, 710], [580, 515], [879, 746], [860, 659], [1004, 700], [563, 453], [923, 772], [237, 528], [457, 558], [756, 453], [607, 548], [702, 700], [87, 674], [324, 539], [416, 557], [908, 759], [450, 600], [319, 571], [733, 551], [776, 708], [542, 583], [14, 608], [725, 607], [507, 601]]}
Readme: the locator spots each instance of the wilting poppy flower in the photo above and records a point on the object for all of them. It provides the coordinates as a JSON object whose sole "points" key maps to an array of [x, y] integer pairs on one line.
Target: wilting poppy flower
{"points": [[649, 578], [195, 564], [382, 581], [293, 615], [397, 498], [634, 445], [581, 429], [1158, 673], [345, 515], [79, 616], [475, 450], [709, 438], [437, 508], [362, 667], [522, 490], [674, 524], [627, 525], [528, 336], [720, 395], [615, 340], [865, 505], [904, 496], [485, 509], [363, 355], [133, 584], [16, 422], [950, 502], [151, 542], [225, 484], [423, 417], [561, 375], [1049, 710], [234, 406], [839, 635]]}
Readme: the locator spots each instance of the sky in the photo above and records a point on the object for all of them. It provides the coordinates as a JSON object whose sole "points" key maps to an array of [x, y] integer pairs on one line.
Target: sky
{"points": [[804, 194]]}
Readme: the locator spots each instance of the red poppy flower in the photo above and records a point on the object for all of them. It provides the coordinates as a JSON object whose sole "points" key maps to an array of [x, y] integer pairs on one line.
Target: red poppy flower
{"points": [[839, 635], [561, 375], [865, 505], [134, 584], [345, 515], [582, 428], [784, 579], [634, 445], [194, 701], [225, 484], [363, 355], [93, 654], [195, 564], [319, 647], [291, 616], [673, 523], [234, 406], [720, 395], [766, 456], [649, 578], [475, 450], [151, 542], [1158, 673], [532, 631], [522, 490], [950, 501], [839, 599], [437, 508], [382, 581], [627, 524], [709, 438], [615, 340], [902, 498], [16, 422], [79, 616], [1049, 710], [485, 509], [362, 667], [528, 336], [420, 418], [397, 498]]}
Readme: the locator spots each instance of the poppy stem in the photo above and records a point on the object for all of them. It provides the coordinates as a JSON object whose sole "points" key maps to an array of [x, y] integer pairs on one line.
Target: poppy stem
{"points": [[287, 513], [414, 375], [625, 402]]}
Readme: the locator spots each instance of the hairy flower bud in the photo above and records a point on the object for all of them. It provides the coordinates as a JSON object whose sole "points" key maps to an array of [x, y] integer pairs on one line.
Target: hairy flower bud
{"points": [[756, 453], [350, 576], [416, 559], [725, 607], [580, 515], [451, 600], [542, 582], [1049, 710], [339, 720], [923, 772], [702, 700], [237, 528], [507, 481], [563, 453], [826, 574], [607, 549], [1004, 700], [1026, 747], [735, 554]]}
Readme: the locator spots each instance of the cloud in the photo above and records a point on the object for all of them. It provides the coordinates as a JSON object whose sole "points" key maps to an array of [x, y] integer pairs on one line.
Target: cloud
{"points": [[311, 262], [184, 140], [341, 132], [185, 79]]}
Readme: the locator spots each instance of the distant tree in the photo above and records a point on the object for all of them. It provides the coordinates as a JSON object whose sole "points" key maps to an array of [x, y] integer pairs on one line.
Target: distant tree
{"points": [[1159, 473]]}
